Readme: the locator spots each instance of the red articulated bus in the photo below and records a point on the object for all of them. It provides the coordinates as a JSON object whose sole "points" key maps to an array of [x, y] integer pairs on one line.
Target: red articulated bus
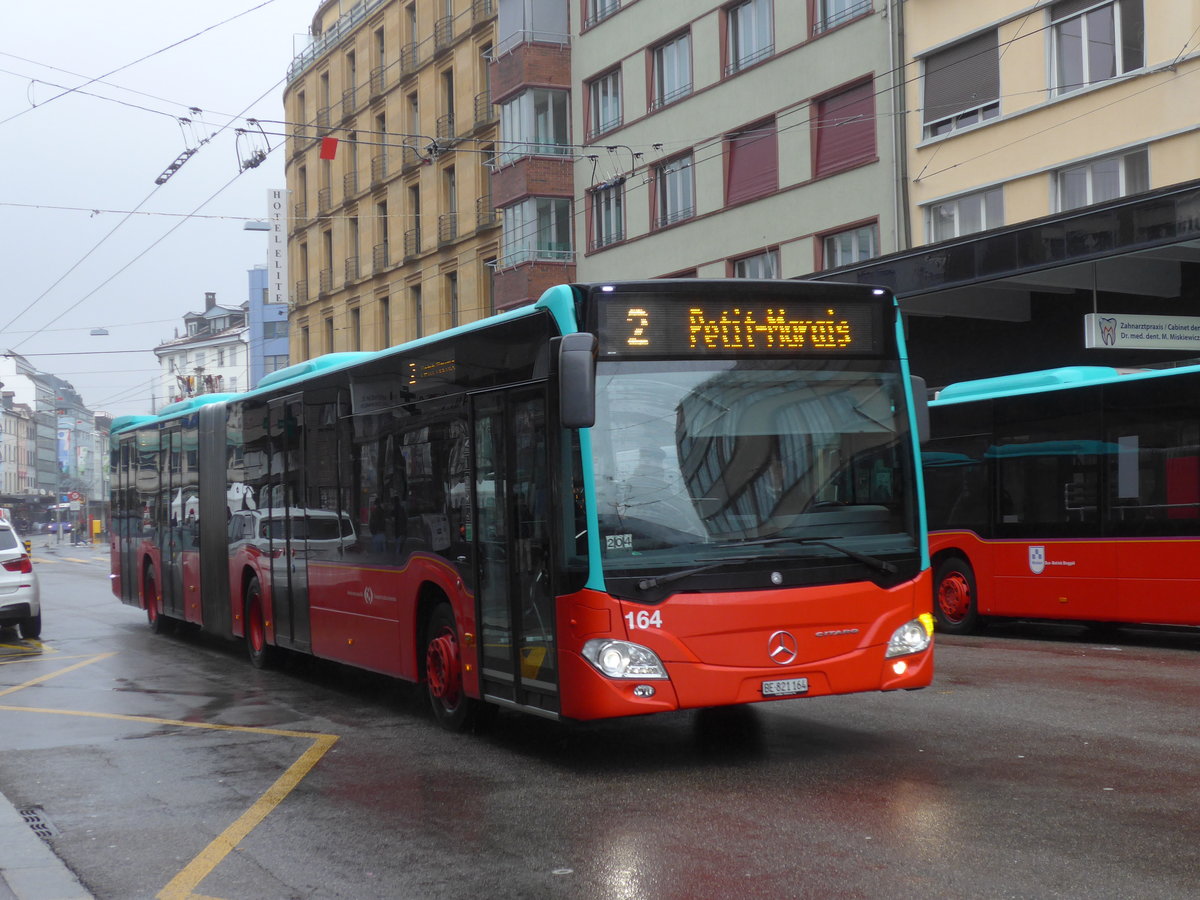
{"points": [[622, 499], [1070, 494]]}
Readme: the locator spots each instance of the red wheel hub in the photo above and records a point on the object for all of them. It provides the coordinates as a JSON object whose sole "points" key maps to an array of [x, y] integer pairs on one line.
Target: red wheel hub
{"points": [[954, 597], [443, 669]]}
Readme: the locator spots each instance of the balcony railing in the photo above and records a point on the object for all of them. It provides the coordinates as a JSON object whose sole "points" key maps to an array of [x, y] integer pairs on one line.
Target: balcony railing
{"points": [[410, 58], [443, 32], [445, 127], [350, 184], [412, 242], [447, 228], [301, 292], [409, 157], [324, 200], [482, 10], [323, 120], [485, 213], [326, 282], [379, 257], [485, 110], [379, 169], [349, 100], [299, 211], [352, 273]]}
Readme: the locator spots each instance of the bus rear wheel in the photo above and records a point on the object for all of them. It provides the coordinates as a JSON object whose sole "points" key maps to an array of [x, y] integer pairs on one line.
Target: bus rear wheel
{"points": [[954, 599], [263, 655], [452, 708]]}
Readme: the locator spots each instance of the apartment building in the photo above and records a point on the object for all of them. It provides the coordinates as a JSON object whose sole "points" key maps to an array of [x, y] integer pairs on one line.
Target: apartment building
{"points": [[1052, 182], [1027, 110], [754, 139], [393, 233], [210, 357]]}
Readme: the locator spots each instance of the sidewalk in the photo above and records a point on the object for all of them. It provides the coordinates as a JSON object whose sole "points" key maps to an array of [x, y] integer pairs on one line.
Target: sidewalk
{"points": [[29, 870]]}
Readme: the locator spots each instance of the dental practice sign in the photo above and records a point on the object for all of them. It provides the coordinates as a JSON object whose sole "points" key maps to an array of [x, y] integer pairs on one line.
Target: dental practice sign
{"points": [[1104, 331]]}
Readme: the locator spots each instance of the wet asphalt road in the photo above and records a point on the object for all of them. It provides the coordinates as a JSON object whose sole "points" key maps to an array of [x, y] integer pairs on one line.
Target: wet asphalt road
{"points": [[1042, 763]]}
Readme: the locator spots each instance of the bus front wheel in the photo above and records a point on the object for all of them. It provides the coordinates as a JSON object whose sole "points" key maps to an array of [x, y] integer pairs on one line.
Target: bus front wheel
{"points": [[954, 599], [452, 708], [262, 653]]}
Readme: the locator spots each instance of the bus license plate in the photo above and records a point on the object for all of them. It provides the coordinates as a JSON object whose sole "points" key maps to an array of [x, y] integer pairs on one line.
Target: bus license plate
{"points": [[785, 687]]}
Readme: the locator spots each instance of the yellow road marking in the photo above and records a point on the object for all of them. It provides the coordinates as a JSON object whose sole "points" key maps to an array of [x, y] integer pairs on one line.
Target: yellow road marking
{"points": [[41, 678], [181, 887]]}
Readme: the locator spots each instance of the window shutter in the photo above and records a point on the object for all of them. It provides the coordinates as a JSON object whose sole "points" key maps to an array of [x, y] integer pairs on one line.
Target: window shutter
{"points": [[962, 77], [753, 169], [845, 125]]}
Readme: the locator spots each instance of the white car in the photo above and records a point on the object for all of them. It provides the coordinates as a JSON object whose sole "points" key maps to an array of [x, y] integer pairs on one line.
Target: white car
{"points": [[20, 603]]}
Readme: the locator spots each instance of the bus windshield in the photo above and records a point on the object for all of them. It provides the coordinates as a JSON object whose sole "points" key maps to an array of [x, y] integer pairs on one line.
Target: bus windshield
{"points": [[693, 457]]}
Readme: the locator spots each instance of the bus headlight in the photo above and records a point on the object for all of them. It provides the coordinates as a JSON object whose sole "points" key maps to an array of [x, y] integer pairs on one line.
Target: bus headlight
{"points": [[911, 637], [621, 659]]}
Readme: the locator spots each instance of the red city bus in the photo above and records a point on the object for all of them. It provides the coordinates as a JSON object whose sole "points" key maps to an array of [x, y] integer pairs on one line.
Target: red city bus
{"points": [[622, 499], [1070, 494]]}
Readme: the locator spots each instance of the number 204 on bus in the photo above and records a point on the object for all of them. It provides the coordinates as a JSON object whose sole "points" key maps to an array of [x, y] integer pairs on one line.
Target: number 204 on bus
{"points": [[621, 499]]}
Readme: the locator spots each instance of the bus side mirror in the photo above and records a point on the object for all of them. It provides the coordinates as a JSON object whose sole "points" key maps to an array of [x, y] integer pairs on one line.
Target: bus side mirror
{"points": [[577, 380], [920, 394]]}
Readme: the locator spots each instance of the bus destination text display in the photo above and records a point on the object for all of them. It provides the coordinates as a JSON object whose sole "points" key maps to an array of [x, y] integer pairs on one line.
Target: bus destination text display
{"points": [[633, 325]]}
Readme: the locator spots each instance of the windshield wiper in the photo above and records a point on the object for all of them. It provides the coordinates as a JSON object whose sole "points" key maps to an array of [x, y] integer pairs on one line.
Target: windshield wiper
{"points": [[880, 565], [647, 583]]}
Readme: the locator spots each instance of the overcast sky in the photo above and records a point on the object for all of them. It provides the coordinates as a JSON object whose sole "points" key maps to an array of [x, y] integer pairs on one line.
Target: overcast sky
{"points": [[73, 166]]}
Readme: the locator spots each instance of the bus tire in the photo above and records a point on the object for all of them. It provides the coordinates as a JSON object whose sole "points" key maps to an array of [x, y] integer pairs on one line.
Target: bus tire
{"points": [[262, 654], [452, 708], [159, 624], [955, 602]]}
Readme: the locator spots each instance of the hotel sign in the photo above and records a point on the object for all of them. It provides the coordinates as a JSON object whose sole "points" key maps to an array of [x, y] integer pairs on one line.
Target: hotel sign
{"points": [[277, 258], [1103, 331]]}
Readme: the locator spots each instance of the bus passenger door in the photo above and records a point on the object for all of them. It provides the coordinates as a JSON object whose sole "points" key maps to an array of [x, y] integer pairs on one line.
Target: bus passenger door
{"points": [[512, 540], [170, 535], [287, 524]]}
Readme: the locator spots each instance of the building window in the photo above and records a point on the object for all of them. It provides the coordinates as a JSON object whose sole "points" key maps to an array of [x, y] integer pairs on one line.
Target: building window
{"points": [[233, 356], [832, 13], [199, 361], [853, 245], [534, 123], [672, 75], [748, 37], [385, 322], [277, 329], [760, 265], [965, 215], [604, 103], [274, 363], [329, 335], [752, 165], [599, 10], [1106, 178], [674, 192], [356, 329], [452, 297], [417, 304], [220, 357], [1094, 41], [845, 130], [962, 85], [608, 216], [537, 228]]}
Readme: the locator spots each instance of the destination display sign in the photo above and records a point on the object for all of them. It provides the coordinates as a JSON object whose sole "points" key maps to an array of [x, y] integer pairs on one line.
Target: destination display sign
{"points": [[673, 325]]}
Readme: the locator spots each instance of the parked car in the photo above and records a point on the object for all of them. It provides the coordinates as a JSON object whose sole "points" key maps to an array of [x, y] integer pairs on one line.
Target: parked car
{"points": [[20, 600]]}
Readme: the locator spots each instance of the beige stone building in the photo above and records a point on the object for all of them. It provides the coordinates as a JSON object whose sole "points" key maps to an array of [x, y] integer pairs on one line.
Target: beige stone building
{"points": [[1023, 110], [393, 234]]}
